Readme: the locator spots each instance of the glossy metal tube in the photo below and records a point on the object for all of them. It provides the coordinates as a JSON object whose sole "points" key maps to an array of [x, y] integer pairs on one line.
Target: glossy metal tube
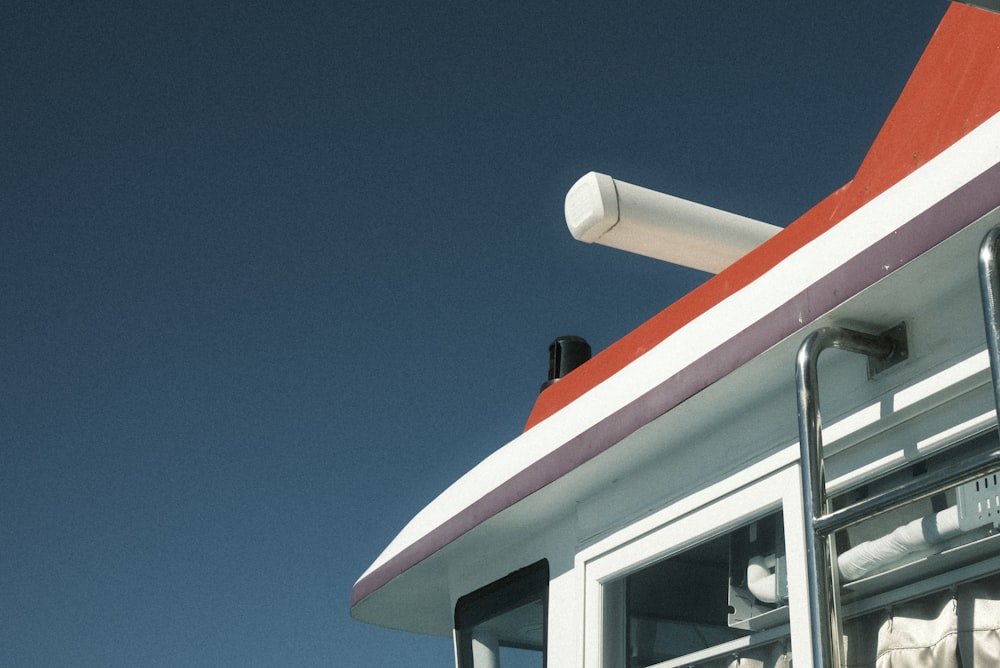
{"points": [[823, 583], [928, 484], [989, 288]]}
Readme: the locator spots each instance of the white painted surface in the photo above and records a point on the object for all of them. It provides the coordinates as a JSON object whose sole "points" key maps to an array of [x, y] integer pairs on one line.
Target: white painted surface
{"points": [[601, 209]]}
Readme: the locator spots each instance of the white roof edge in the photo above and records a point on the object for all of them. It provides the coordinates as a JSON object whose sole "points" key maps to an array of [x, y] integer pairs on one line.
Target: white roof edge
{"points": [[957, 165]]}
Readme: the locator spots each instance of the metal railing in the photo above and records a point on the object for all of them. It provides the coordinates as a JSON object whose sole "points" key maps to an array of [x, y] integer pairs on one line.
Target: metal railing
{"points": [[821, 521], [823, 584]]}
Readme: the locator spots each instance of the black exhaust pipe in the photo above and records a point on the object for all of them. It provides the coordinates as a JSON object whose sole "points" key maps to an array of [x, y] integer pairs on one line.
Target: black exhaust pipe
{"points": [[565, 354]]}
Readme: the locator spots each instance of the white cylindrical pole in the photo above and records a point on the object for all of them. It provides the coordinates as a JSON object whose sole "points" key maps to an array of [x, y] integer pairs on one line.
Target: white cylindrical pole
{"points": [[621, 215], [485, 650]]}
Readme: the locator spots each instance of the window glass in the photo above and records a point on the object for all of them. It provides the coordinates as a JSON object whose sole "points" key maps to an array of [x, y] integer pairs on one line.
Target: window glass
{"points": [[502, 625], [707, 595]]}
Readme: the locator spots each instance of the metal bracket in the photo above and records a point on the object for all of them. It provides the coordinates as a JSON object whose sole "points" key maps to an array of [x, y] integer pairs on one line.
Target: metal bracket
{"points": [[900, 351]]}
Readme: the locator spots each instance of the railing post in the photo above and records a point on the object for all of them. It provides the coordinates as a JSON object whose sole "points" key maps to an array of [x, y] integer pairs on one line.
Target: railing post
{"points": [[821, 568], [989, 288]]}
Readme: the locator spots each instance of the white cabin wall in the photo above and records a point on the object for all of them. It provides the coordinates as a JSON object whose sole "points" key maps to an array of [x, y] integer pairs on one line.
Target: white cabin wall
{"points": [[943, 384], [504, 556], [722, 430], [557, 544], [752, 413], [683, 461], [565, 615]]}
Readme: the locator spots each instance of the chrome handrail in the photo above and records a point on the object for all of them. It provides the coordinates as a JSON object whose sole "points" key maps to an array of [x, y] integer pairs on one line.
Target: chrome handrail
{"points": [[989, 289], [927, 485], [823, 587], [821, 522]]}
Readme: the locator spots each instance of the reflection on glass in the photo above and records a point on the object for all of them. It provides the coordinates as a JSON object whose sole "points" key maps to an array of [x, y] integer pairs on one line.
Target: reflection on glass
{"points": [[502, 625], [700, 598]]}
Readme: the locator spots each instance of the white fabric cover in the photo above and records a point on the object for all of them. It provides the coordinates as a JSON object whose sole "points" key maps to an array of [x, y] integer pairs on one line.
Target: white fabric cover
{"points": [[951, 629], [979, 623], [906, 542]]}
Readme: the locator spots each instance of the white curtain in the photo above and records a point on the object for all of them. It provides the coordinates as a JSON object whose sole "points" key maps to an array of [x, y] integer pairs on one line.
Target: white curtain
{"points": [[920, 633], [979, 623], [952, 629]]}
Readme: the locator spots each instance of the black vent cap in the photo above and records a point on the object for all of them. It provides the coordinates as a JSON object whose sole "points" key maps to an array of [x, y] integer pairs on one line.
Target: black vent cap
{"points": [[565, 354]]}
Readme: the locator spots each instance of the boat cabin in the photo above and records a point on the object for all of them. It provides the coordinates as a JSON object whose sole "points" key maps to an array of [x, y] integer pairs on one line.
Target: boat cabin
{"points": [[799, 458]]}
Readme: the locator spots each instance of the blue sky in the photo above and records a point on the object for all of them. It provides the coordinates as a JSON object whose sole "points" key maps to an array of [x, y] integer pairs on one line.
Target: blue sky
{"points": [[275, 274]]}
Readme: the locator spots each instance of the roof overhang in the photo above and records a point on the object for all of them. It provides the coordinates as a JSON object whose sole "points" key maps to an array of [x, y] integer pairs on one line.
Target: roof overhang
{"points": [[868, 233]]}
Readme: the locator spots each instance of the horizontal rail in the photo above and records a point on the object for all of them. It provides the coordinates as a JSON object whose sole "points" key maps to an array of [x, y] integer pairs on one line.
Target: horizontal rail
{"points": [[926, 485]]}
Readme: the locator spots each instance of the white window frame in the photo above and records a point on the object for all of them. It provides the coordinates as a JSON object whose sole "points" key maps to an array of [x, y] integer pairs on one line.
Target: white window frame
{"points": [[769, 486]]}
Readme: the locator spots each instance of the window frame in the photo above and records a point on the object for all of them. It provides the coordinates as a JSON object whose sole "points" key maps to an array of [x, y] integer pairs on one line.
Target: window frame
{"points": [[762, 489], [510, 592]]}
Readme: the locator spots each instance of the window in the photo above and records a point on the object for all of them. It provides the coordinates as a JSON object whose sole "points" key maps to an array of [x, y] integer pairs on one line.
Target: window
{"points": [[705, 596], [701, 582], [502, 625]]}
